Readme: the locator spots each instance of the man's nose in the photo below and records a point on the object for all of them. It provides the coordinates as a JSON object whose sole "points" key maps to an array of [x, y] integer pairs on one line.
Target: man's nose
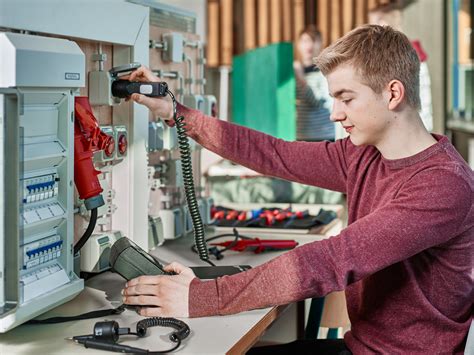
{"points": [[337, 114]]}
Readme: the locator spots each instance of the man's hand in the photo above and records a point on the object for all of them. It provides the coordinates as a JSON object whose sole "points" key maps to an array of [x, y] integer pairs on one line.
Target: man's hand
{"points": [[168, 295], [160, 107], [142, 74], [299, 72]]}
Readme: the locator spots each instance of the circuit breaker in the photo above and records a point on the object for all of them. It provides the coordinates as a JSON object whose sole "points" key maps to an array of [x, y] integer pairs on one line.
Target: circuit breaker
{"points": [[39, 77]]}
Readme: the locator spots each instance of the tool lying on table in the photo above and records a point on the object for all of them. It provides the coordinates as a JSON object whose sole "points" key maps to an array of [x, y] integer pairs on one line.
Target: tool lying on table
{"points": [[106, 335], [258, 245], [243, 243]]}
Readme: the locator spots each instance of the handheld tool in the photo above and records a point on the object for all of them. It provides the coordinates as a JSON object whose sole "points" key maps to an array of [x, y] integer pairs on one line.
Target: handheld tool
{"points": [[258, 245]]}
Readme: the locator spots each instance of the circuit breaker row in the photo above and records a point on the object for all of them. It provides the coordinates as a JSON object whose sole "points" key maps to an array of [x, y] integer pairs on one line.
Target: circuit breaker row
{"points": [[42, 251], [40, 188]]}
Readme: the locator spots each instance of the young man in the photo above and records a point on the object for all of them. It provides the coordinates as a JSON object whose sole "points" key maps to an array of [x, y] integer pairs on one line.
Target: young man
{"points": [[406, 258]]}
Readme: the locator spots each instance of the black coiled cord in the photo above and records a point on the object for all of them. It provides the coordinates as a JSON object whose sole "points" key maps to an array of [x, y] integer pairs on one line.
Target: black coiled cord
{"points": [[187, 169], [107, 333], [182, 329], [181, 333]]}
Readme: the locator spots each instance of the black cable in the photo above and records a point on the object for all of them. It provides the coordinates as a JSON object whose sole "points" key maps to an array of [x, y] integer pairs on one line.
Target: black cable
{"points": [[88, 315], [122, 348], [187, 169], [107, 333], [110, 333], [88, 232], [182, 329]]}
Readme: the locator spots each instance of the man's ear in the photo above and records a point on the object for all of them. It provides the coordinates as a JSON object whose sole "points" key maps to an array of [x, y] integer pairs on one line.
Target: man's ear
{"points": [[395, 93]]}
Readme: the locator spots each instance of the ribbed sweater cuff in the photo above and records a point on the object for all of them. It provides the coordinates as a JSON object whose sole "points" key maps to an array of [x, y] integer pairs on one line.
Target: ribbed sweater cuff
{"points": [[191, 118], [203, 298]]}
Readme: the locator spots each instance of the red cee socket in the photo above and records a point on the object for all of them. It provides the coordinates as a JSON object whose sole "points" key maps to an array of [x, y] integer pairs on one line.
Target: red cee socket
{"points": [[87, 138], [122, 144], [110, 149]]}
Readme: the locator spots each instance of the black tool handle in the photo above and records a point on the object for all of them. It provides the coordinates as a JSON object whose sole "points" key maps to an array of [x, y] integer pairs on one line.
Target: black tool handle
{"points": [[125, 88], [102, 345]]}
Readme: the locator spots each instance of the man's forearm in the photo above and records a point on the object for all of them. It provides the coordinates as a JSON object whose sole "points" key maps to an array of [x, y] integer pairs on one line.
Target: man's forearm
{"points": [[285, 279], [317, 163], [236, 143]]}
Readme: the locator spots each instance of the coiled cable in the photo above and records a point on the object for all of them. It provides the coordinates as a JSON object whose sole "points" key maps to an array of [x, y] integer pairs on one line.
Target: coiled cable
{"points": [[106, 335], [182, 329], [188, 180]]}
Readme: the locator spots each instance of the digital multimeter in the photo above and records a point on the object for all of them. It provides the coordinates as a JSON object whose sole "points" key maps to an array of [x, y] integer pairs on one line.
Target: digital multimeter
{"points": [[130, 261]]}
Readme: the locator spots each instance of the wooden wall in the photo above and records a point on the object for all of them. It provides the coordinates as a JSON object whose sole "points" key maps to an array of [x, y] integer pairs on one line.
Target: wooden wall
{"points": [[241, 25]]}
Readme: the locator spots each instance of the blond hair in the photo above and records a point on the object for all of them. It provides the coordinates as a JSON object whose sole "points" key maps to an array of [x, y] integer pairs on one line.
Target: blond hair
{"points": [[379, 54]]}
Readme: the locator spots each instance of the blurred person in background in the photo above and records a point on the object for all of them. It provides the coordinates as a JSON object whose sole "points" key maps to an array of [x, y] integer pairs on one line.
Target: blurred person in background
{"points": [[313, 102]]}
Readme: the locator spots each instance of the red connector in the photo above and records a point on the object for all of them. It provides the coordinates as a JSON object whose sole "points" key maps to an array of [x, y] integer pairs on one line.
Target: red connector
{"points": [[88, 138]]}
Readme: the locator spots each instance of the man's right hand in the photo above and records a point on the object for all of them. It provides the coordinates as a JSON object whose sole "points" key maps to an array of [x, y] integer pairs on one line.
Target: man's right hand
{"points": [[160, 107], [299, 72]]}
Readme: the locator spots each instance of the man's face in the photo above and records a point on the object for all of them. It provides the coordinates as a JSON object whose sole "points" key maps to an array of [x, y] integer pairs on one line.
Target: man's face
{"points": [[307, 47], [363, 113]]}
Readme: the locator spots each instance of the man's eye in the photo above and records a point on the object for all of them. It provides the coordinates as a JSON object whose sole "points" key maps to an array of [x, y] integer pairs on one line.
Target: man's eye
{"points": [[346, 101]]}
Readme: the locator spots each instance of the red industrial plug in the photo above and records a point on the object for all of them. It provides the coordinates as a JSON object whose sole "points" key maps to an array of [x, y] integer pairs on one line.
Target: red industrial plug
{"points": [[88, 138]]}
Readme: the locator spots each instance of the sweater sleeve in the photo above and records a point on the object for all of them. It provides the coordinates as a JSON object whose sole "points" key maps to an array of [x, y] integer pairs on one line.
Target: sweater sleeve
{"points": [[320, 164], [433, 208]]}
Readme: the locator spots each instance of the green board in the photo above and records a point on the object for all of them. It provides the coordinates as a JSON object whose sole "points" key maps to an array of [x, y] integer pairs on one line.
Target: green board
{"points": [[263, 90]]}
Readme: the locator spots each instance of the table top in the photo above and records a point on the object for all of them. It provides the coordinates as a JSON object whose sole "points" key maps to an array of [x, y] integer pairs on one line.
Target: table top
{"points": [[210, 335]]}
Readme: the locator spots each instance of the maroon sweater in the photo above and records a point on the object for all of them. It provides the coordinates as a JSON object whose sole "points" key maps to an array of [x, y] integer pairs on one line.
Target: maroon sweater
{"points": [[405, 260]]}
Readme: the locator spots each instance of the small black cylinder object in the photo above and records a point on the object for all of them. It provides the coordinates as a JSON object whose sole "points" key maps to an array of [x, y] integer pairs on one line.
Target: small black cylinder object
{"points": [[125, 88], [107, 331]]}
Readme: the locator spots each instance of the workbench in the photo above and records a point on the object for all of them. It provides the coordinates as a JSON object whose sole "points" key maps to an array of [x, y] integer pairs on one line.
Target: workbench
{"points": [[233, 334]]}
